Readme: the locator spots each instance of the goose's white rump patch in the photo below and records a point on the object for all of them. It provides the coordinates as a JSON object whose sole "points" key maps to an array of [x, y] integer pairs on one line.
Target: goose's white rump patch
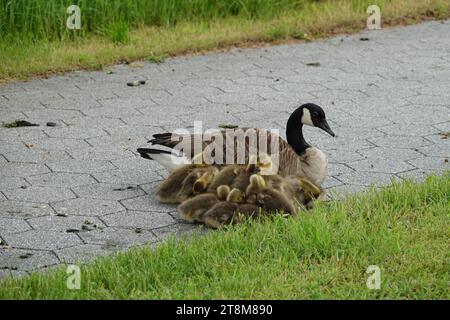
{"points": [[171, 161]]}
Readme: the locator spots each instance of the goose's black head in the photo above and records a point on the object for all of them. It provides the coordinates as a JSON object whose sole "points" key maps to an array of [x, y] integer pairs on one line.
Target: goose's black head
{"points": [[307, 114], [313, 115]]}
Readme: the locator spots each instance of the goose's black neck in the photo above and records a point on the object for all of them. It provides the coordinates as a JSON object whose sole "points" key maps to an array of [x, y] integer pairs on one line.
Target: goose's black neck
{"points": [[294, 132]]}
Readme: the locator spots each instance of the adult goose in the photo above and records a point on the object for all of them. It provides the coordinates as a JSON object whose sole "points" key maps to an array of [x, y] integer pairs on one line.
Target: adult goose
{"points": [[295, 157]]}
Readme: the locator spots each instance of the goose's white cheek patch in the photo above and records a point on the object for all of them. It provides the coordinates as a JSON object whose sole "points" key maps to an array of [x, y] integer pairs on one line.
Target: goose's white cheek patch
{"points": [[306, 118]]}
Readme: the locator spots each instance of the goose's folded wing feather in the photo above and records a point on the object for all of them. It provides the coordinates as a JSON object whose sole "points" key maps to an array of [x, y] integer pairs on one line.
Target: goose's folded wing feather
{"points": [[231, 139]]}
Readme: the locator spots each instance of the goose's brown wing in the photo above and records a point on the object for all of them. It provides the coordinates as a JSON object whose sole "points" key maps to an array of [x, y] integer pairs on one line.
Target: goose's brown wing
{"points": [[232, 140]]}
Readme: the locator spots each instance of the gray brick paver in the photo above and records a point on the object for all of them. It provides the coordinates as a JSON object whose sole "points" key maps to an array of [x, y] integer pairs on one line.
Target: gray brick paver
{"points": [[25, 260], [387, 100], [41, 240], [62, 224]]}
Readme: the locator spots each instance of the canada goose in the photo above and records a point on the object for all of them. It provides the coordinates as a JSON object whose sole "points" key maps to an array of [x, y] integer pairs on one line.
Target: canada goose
{"points": [[193, 209], [225, 177], [233, 209], [202, 183], [242, 179], [168, 190], [298, 191], [271, 200], [256, 184], [222, 192], [236, 196], [249, 210], [303, 192], [184, 182], [219, 214], [233, 176], [224, 213], [296, 156]]}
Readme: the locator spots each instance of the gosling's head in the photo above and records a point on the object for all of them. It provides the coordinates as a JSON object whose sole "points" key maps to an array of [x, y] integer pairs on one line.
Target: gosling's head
{"points": [[266, 165], [257, 181], [236, 196], [223, 191]]}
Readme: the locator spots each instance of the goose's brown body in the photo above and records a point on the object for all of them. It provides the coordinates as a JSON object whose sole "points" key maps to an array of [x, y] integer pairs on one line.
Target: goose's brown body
{"points": [[311, 164]]}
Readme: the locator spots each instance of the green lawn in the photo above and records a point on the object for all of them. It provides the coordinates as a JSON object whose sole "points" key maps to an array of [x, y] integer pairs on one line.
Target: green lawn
{"points": [[34, 39], [323, 254]]}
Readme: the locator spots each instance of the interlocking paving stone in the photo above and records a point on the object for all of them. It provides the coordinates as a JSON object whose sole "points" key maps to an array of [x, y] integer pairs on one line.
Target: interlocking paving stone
{"points": [[101, 154], [438, 164], [82, 253], [21, 209], [336, 169], [417, 175], [415, 130], [75, 133], [59, 144], [72, 104], [9, 116], [366, 178], [144, 133], [39, 194], [386, 99], [120, 142], [378, 165], [12, 182], [146, 203], [36, 156], [24, 260], [11, 225], [331, 182], [41, 240], [113, 238], [14, 134], [62, 224], [22, 169], [87, 207], [52, 115], [342, 191], [405, 142], [435, 151], [126, 176], [439, 140], [443, 126], [97, 122], [80, 166], [138, 219], [179, 230], [108, 191], [10, 146], [343, 156], [383, 153], [61, 179]]}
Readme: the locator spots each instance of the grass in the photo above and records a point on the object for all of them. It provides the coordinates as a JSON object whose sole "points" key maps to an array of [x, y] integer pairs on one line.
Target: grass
{"points": [[124, 30], [324, 254], [156, 58]]}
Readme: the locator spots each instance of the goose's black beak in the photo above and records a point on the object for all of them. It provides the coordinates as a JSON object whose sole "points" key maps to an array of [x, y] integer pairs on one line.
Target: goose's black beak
{"points": [[325, 127]]}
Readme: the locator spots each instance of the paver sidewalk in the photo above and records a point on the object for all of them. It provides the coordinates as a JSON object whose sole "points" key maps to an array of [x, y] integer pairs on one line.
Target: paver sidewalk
{"points": [[79, 190]]}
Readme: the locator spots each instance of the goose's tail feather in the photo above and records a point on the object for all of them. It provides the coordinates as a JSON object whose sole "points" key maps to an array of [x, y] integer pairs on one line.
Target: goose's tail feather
{"points": [[166, 139], [168, 159], [147, 152]]}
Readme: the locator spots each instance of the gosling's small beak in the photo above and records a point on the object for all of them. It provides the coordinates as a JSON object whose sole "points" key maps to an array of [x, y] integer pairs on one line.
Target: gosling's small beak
{"points": [[325, 127]]}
